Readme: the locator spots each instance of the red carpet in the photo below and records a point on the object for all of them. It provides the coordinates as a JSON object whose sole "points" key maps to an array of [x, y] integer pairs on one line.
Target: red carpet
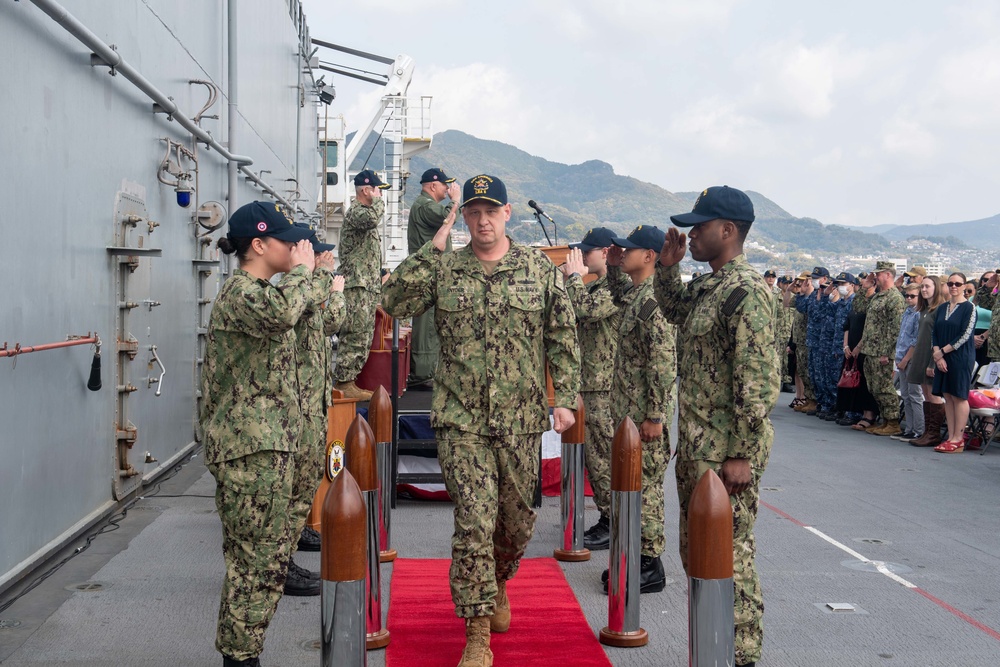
{"points": [[547, 625]]}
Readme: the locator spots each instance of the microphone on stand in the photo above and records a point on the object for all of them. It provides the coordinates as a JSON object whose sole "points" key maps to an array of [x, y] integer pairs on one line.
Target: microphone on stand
{"points": [[539, 214]]}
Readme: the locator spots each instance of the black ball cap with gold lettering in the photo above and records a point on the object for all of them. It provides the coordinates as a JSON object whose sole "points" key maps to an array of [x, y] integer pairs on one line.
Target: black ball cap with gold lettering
{"points": [[260, 218], [720, 201], [485, 187], [369, 177]]}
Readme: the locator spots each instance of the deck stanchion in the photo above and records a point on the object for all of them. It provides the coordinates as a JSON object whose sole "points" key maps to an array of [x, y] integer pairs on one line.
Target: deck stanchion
{"points": [[571, 491], [711, 619], [343, 568], [380, 419], [623, 558], [361, 462]]}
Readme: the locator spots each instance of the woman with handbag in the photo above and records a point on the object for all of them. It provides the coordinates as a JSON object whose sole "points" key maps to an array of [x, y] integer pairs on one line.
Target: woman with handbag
{"points": [[921, 366], [954, 354]]}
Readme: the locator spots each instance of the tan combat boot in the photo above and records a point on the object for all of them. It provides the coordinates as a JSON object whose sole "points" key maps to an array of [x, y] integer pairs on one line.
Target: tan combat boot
{"points": [[500, 620], [807, 406], [890, 427], [477, 651], [352, 390]]}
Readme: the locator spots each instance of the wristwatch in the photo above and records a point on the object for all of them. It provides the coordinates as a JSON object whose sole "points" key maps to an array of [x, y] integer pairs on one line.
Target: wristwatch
{"points": [[655, 420]]}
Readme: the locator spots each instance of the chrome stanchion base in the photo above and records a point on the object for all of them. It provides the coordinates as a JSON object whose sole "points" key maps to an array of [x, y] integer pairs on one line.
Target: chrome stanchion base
{"points": [[571, 555]]}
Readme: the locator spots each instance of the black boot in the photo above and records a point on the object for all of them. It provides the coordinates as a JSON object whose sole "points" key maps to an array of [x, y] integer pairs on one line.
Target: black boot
{"points": [[652, 578], [299, 584], [249, 662], [310, 540], [303, 572], [598, 536]]}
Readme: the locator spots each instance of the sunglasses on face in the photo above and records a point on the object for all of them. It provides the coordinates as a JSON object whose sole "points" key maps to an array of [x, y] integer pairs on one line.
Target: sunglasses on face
{"points": [[954, 284], [911, 296]]}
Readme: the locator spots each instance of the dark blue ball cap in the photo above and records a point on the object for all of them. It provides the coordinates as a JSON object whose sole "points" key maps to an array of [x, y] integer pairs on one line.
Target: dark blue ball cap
{"points": [[317, 246], [598, 237], [845, 277], [261, 218], [435, 175], [719, 201], [369, 177], [646, 237], [819, 272], [485, 187]]}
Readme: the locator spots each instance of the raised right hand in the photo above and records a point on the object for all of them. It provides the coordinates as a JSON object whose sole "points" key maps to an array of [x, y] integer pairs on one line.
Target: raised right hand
{"points": [[615, 254], [674, 247], [302, 253]]}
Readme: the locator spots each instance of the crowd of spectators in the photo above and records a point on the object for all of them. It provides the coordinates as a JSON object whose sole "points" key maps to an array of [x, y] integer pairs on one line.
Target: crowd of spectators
{"points": [[891, 355]]}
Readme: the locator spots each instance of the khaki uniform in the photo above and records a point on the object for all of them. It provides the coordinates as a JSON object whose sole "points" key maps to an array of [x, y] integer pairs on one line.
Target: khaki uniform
{"points": [[884, 315], [489, 405], [426, 218], [361, 262], [597, 317], [252, 421], [728, 385], [644, 388], [315, 371]]}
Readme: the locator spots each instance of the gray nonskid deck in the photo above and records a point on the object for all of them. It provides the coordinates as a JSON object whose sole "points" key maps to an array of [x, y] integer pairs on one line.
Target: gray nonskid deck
{"points": [[930, 516]]}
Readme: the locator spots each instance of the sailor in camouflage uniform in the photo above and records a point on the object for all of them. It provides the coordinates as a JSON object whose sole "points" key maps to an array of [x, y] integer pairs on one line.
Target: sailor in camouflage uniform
{"points": [[502, 314], [597, 318], [361, 263], [321, 320], [878, 344], [812, 301], [643, 387], [728, 381], [783, 329], [799, 326], [251, 416]]}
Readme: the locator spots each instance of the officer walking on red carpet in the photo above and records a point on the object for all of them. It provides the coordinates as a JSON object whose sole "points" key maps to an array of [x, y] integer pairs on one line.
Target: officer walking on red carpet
{"points": [[729, 381], [502, 314]]}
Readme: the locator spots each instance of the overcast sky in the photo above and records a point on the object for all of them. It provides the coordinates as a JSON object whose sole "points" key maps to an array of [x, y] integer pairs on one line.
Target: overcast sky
{"points": [[849, 112]]}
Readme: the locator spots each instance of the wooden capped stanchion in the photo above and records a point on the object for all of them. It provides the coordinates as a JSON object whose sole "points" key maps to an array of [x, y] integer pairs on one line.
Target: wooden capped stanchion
{"points": [[361, 462], [339, 416], [623, 567], [343, 568], [711, 618], [571, 491], [381, 421]]}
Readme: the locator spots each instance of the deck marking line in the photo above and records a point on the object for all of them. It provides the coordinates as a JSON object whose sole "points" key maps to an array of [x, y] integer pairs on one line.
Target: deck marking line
{"points": [[881, 567]]}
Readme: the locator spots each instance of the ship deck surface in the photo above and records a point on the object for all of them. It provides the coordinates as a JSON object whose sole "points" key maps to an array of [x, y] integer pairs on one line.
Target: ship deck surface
{"points": [[932, 518]]}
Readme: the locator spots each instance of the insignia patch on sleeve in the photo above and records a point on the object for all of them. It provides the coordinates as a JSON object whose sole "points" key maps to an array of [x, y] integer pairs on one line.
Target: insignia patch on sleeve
{"points": [[734, 301], [647, 309]]}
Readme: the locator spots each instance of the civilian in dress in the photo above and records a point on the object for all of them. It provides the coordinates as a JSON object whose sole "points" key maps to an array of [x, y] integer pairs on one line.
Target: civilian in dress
{"points": [[954, 355]]}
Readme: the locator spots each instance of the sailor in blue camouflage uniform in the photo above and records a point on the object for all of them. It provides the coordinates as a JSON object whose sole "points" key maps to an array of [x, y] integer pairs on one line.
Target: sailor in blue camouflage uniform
{"points": [[813, 303], [729, 381], [251, 416], [844, 283], [502, 314]]}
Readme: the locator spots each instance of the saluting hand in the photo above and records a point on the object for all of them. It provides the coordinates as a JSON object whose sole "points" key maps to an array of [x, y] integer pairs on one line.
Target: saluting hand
{"points": [[574, 263], [302, 253], [674, 247], [440, 239], [454, 192], [615, 254], [324, 260]]}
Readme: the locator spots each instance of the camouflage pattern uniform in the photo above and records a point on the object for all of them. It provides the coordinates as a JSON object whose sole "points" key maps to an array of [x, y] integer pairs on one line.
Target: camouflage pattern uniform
{"points": [[251, 420], [885, 313], [644, 387], [841, 309], [985, 299], [993, 342], [597, 318], [782, 332], [801, 352], [728, 385], [489, 407], [426, 217], [360, 262], [315, 373]]}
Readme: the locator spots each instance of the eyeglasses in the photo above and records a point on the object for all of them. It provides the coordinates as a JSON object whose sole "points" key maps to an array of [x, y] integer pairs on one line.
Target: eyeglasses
{"points": [[954, 284], [911, 296]]}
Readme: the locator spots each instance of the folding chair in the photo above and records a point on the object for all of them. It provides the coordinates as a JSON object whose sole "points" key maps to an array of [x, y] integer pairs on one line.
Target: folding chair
{"points": [[986, 378]]}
